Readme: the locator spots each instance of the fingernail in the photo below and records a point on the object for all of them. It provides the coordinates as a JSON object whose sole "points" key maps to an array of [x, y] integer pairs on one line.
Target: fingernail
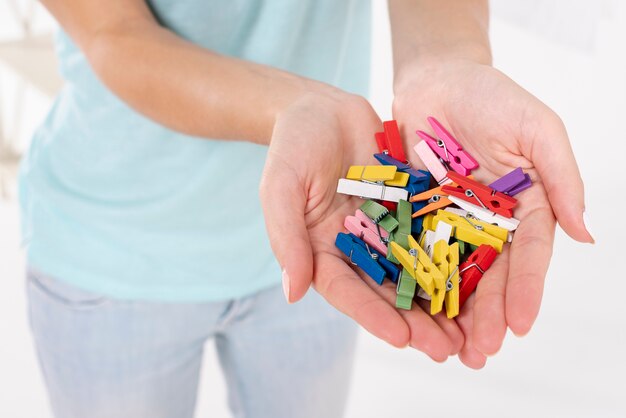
{"points": [[286, 285], [588, 226]]}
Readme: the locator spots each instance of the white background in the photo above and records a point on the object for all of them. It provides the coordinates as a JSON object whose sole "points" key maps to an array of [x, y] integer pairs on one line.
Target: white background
{"points": [[571, 54]]}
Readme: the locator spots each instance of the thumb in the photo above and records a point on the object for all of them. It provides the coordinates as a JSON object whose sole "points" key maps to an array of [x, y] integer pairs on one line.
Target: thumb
{"points": [[553, 157], [284, 200]]}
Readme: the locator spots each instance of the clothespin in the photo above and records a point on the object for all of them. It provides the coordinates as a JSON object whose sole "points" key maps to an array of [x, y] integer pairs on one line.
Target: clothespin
{"points": [[366, 231], [415, 188], [446, 258], [379, 215], [401, 234], [366, 258], [485, 215], [512, 183], [371, 191], [468, 230], [378, 174], [435, 198], [405, 290], [448, 149], [390, 142], [414, 175], [418, 264], [432, 163], [476, 193], [472, 270]]}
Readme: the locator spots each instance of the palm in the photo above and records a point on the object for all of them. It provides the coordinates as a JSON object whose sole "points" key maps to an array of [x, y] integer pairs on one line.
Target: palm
{"points": [[497, 122], [315, 171]]}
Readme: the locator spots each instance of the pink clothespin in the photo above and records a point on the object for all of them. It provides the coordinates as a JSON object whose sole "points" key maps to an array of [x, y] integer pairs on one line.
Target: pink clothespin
{"points": [[448, 149], [432, 163], [363, 227]]}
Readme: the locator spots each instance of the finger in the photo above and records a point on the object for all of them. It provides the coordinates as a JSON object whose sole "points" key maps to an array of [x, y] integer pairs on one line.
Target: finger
{"points": [[283, 203], [552, 154], [530, 254], [425, 334], [449, 326], [346, 291], [468, 355], [489, 323]]}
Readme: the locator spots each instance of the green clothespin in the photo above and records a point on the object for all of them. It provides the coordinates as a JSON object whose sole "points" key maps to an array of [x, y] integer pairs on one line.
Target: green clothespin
{"points": [[401, 234], [380, 215], [405, 291]]}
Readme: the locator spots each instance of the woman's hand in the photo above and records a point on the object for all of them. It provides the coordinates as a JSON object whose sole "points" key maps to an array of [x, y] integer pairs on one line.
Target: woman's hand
{"points": [[503, 127], [314, 142]]}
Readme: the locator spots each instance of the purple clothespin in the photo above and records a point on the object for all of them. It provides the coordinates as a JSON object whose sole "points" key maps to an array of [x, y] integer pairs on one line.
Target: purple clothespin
{"points": [[512, 183]]}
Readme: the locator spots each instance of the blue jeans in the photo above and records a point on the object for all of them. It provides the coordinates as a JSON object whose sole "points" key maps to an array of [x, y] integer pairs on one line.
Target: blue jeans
{"points": [[113, 358]]}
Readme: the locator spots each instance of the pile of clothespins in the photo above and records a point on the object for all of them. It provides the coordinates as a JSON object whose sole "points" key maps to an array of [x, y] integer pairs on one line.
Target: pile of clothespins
{"points": [[435, 243]]}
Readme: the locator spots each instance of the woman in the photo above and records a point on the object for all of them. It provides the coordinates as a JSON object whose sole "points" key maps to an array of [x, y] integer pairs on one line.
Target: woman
{"points": [[146, 231]]}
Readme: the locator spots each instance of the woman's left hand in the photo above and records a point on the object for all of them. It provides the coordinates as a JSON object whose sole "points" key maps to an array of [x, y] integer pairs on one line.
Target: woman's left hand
{"points": [[503, 127]]}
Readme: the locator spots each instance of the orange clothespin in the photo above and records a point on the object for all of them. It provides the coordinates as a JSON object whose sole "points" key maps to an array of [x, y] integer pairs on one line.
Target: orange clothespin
{"points": [[436, 198]]}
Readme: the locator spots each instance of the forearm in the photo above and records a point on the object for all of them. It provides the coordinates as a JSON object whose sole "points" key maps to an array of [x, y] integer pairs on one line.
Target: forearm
{"points": [[174, 82], [190, 89], [425, 31]]}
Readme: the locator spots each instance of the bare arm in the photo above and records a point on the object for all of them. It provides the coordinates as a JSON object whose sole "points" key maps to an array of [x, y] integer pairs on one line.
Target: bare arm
{"points": [[174, 82], [425, 31]]}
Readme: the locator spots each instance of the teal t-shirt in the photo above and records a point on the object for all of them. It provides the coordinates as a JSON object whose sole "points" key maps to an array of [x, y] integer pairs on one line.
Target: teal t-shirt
{"points": [[115, 203]]}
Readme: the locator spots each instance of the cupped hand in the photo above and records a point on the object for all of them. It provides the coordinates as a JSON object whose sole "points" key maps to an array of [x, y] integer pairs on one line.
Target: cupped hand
{"points": [[503, 127], [314, 142]]}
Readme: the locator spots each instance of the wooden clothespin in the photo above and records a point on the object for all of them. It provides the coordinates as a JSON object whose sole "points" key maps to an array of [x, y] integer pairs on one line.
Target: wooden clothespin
{"points": [[418, 264], [401, 234], [446, 258], [435, 199], [512, 183], [405, 290], [368, 232], [469, 230], [379, 215], [472, 270], [477, 212], [448, 149], [414, 174], [366, 258], [371, 191], [378, 174], [478, 194], [432, 162], [390, 142]]}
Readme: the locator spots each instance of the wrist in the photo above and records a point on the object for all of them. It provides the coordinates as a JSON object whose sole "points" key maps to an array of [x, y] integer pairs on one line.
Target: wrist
{"points": [[430, 67]]}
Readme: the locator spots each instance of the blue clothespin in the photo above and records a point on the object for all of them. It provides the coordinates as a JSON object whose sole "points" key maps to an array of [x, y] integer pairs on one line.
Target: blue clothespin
{"points": [[416, 188], [373, 263], [415, 175]]}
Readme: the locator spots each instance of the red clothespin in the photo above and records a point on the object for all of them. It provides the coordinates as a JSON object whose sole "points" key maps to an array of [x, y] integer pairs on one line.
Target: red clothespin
{"points": [[478, 194], [390, 141], [473, 269], [391, 206], [448, 149]]}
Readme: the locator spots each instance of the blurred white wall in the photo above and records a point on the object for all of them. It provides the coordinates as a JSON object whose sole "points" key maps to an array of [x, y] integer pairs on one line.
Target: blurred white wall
{"points": [[571, 54]]}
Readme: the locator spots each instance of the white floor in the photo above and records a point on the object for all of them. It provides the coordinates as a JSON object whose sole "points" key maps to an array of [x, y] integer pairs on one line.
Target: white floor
{"points": [[572, 363]]}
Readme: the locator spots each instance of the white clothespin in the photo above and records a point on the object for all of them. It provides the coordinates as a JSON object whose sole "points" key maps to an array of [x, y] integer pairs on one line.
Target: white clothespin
{"points": [[371, 190], [483, 214]]}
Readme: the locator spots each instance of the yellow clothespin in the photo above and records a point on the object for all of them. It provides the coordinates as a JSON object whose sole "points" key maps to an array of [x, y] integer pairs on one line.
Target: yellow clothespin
{"points": [[446, 258], [418, 264], [388, 174], [440, 259], [468, 230]]}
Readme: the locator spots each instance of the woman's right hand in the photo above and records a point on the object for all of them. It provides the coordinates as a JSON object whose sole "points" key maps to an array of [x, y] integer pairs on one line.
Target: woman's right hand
{"points": [[314, 141]]}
